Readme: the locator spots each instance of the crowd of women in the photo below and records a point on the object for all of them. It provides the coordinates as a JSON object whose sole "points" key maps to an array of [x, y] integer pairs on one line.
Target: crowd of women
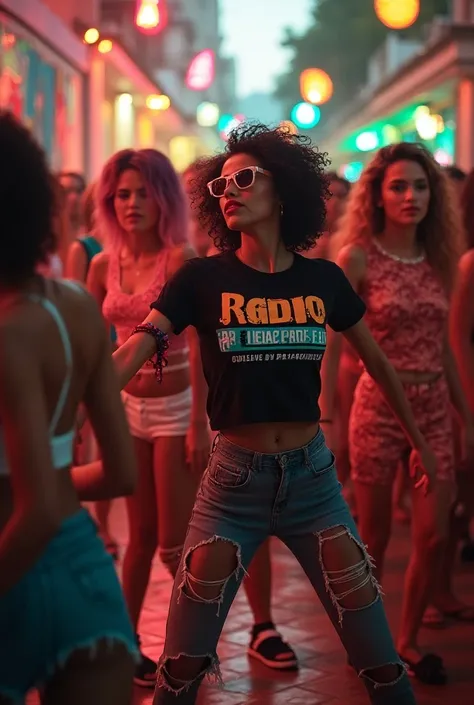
{"points": [[265, 304]]}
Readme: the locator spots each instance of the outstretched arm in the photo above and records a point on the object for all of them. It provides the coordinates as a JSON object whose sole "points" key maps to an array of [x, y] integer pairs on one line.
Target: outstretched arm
{"points": [[139, 348]]}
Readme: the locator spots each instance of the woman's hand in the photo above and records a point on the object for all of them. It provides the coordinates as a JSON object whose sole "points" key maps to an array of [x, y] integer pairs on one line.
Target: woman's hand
{"points": [[422, 468], [198, 446]]}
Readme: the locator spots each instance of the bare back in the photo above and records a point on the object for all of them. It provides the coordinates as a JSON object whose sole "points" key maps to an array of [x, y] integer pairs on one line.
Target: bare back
{"points": [[33, 368]]}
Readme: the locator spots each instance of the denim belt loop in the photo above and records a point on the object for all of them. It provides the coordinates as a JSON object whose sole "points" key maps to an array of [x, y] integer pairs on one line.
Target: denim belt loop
{"points": [[306, 456]]}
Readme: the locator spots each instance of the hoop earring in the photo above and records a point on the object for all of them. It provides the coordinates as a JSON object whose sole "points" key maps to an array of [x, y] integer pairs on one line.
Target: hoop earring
{"points": [[281, 210]]}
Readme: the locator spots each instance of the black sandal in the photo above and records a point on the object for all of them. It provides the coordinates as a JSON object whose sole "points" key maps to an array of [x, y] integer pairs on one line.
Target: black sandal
{"points": [[268, 647], [429, 669]]}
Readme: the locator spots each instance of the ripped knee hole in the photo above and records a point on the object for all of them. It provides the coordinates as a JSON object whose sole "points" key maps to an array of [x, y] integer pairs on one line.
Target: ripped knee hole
{"points": [[347, 569], [386, 675], [178, 674], [208, 567]]}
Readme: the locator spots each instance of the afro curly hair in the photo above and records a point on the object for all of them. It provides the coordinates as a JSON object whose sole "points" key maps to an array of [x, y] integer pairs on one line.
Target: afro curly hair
{"points": [[298, 171], [27, 203]]}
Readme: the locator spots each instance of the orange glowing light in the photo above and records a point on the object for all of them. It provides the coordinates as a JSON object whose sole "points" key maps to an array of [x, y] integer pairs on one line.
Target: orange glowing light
{"points": [[150, 17], [397, 14], [316, 86], [289, 127], [105, 46], [158, 102], [91, 36]]}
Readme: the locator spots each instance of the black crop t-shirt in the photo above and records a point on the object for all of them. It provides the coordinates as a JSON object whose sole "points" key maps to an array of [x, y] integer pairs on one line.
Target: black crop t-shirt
{"points": [[262, 336]]}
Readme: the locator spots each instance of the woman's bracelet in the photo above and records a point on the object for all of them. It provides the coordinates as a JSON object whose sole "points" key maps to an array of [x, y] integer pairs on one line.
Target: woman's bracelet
{"points": [[162, 344]]}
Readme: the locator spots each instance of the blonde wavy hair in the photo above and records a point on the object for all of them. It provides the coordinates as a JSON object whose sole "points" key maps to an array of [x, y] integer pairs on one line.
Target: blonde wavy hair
{"points": [[441, 233]]}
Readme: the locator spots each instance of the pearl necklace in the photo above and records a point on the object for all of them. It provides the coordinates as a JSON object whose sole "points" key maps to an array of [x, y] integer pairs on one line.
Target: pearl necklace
{"points": [[397, 258]]}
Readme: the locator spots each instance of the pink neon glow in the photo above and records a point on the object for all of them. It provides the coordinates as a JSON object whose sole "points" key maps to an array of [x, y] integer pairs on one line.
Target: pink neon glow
{"points": [[201, 71]]}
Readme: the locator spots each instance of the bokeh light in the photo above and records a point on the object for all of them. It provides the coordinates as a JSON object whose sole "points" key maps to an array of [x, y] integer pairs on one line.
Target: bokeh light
{"points": [[207, 114], [305, 115], [105, 46], [397, 14], [316, 86], [91, 35], [367, 141], [158, 102]]}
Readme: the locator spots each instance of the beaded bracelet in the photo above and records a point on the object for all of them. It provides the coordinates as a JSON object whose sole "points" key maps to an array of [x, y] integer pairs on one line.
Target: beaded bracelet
{"points": [[162, 345]]}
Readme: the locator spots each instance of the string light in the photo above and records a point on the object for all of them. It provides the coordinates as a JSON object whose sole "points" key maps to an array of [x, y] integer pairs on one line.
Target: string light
{"points": [[105, 46], [397, 14], [158, 102], [91, 36]]}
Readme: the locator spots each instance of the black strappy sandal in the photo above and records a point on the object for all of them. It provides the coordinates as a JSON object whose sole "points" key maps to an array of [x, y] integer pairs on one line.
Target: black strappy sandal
{"points": [[429, 669], [268, 647]]}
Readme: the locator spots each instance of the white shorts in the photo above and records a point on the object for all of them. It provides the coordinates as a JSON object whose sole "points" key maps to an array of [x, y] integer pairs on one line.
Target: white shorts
{"points": [[158, 417]]}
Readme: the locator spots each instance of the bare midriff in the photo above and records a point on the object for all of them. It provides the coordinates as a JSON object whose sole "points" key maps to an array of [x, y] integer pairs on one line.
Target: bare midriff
{"points": [[272, 437]]}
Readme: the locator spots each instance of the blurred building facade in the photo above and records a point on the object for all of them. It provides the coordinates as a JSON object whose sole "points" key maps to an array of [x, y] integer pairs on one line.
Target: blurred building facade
{"points": [[416, 92], [83, 102], [191, 27]]}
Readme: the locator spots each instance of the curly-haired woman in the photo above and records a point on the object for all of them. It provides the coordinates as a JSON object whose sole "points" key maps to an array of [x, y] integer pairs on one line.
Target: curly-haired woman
{"points": [[63, 621], [266, 643], [402, 244], [261, 311]]}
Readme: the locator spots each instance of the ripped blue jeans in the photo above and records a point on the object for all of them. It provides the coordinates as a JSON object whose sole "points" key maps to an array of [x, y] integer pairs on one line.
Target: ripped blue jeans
{"points": [[244, 498]]}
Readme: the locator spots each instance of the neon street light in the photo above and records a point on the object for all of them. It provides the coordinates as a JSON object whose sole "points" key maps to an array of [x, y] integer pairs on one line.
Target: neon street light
{"points": [[201, 71], [150, 17]]}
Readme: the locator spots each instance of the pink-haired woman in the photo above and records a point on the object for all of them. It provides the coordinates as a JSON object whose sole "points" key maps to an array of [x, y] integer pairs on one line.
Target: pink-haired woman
{"points": [[143, 214]]}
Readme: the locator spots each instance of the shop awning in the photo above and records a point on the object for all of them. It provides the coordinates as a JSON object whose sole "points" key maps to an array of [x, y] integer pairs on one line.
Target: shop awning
{"points": [[430, 76], [43, 23]]}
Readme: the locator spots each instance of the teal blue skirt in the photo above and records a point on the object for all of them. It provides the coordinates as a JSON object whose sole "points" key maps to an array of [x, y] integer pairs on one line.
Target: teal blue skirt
{"points": [[70, 599]]}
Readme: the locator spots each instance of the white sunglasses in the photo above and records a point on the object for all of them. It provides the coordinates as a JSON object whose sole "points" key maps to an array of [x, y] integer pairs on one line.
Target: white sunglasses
{"points": [[243, 179]]}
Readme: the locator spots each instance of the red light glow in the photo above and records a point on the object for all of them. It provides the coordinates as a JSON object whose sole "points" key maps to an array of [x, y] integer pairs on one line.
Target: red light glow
{"points": [[150, 17], [201, 71]]}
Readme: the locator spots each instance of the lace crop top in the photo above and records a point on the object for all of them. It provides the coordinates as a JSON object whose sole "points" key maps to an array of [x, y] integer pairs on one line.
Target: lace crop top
{"points": [[62, 445], [407, 310], [125, 311]]}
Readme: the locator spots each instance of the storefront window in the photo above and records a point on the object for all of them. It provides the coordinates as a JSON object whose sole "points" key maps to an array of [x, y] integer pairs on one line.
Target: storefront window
{"points": [[41, 92]]}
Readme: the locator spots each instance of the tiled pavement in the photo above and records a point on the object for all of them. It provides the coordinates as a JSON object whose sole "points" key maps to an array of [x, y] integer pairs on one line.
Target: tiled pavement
{"points": [[323, 679]]}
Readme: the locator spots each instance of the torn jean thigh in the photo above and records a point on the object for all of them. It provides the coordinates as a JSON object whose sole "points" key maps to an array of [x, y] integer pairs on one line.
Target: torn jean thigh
{"points": [[346, 581], [189, 589]]}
